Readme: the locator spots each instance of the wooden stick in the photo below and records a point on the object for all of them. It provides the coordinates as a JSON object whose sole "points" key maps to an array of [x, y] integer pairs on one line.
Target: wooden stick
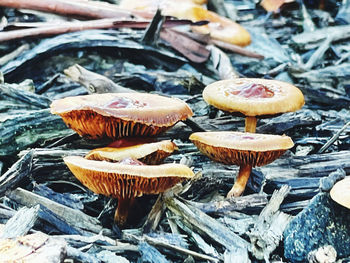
{"points": [[73, 217], [80, 8], [47, 29]]}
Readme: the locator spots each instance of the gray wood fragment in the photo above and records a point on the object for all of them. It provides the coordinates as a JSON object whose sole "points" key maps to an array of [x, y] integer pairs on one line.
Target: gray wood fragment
{"points": [[309, 40], [205, 224], [154, 215], [268, 229], [236, 255], [150, 254], [93, 82], [19, 171], [199, 241], [326, 254], [109, 257], [76, 254], [73, 217], [179, 249], [20, 224], [242, 203]]}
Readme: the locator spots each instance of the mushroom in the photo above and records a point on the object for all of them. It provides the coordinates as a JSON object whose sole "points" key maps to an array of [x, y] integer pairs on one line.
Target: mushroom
{"points": [[219, 27], [246, 150], [148, 153], [253, 97], [126, 180], [118, 115], [340, 192]]}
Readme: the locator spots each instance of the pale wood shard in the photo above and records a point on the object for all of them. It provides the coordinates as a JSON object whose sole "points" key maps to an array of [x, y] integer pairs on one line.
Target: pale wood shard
{"points": [[37, 247], [21, 222], [269, 227]]}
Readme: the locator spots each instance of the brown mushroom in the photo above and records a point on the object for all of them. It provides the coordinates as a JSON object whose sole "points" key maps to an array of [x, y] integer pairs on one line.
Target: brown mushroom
{"points": [[340, 192], [246, 150], [219, 27], [148, 153], [126, 180], [118, 115], [253, 97]]}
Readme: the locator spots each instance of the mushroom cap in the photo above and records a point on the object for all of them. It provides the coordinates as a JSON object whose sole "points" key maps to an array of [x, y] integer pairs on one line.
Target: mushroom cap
{"points": [[254, 97], [241, 148], [340, 192], [148, 153], [120, 114], [126, 180], [219, 27]]}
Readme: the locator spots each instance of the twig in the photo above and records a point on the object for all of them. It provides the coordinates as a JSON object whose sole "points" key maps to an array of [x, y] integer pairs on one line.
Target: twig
{"points": [[333, 139], [152, 32], [154, 215], [90, 9], [93, 82], [205, 39], [12, 55], [46, 29], [193, 125], [318, 54], [236, 49]]}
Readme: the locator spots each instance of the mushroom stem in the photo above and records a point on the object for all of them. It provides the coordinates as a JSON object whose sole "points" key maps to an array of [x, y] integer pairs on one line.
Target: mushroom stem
{"points": [[241, 181], [122, 211], [250, 124]]}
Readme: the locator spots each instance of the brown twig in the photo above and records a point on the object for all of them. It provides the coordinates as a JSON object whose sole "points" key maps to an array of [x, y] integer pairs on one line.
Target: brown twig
{"points": [[80, 8], [227, 46], [46, 29]]}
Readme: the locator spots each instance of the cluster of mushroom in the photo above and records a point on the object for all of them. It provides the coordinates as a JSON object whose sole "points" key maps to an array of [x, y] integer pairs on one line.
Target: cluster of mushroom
{"points": [[134, 168], [252, 98]]}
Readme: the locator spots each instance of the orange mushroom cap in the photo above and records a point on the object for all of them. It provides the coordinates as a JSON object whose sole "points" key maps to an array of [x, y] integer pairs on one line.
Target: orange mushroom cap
{"points": [[148, 153], [120, 114], [126, 180], [254, 97], [241, 148], [340, 192]]}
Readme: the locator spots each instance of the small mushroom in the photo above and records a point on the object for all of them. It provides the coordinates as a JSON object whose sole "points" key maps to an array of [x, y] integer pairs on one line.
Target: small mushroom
{"points": [[219, 27], [126, 180], [340, 192], [246, 150], [148, 153], [253, 97], [118, 115]]}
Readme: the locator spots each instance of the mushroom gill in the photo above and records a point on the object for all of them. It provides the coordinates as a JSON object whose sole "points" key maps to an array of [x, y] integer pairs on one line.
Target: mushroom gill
{"points": [[126, 180], [118, 115], [246, 150]]}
